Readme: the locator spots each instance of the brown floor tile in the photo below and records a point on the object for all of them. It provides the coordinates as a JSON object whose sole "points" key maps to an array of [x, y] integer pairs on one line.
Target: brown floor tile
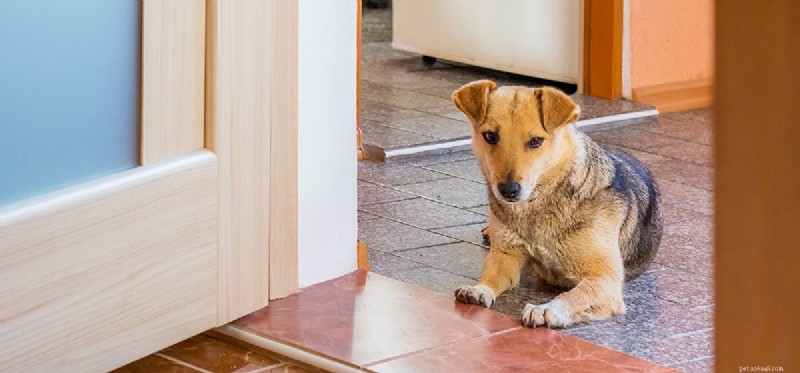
{"points": [[153, 364], [369, 193], [456, 192], [425, 214], [463, 259], [531, 350], [673, 214], [630, 138], [686, 151], [363, 318], [387, 235], [219, 357]]}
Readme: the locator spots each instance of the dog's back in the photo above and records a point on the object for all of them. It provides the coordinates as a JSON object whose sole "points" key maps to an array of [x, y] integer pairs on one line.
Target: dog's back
{"points": [[641, 230]]}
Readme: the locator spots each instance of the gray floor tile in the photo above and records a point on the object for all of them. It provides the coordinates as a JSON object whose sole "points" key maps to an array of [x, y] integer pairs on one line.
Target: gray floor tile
{"points": [[686, 197], [687, 258], [389, 137], [435, 126], [678, 349], [442, 158], [398, 174], [483, 210], [466, 169], [453, 191], [397, 78], [463, 259], [382, 113], [371, 193], [386, 235], [401, 98], [363, 216], [443, 91], [449, 111], [467, 233], [683, 173], [593, 107], [383, 262], [432, 279], [704, 365], [425, 214], [673, 285]]}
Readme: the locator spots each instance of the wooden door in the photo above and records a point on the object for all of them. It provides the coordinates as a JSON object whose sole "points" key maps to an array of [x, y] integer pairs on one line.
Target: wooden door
{"points": [[102, 273]]}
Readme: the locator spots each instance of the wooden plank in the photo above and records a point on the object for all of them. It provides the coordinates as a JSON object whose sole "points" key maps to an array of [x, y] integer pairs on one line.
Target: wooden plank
{"points": [[173, 59], [692, 94], [757, 147], [98, 275], [603, 48], [283, 263], [250, 54]]}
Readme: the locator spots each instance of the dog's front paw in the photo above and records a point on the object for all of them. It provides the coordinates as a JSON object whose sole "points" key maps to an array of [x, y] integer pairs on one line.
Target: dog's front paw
{"points": [[554, 314], [479, 294]]}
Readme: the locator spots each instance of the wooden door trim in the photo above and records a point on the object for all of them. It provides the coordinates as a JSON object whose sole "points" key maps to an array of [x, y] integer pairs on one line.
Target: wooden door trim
{"points": [[106, 272], [359, 135], [602, 48], [251, 124], [173, 78]]}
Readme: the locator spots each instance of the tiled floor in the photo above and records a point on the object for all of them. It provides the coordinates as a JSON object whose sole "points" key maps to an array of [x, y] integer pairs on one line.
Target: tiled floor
{"points": [[204, 354], [406, 103], [421, 221], [372, 322]]}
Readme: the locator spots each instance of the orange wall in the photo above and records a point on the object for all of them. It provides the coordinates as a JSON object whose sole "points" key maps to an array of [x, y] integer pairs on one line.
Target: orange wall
{"points": [[671, 41]]}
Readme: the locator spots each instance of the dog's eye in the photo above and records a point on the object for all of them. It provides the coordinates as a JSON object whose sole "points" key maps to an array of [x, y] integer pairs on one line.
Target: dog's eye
{"points": [[535, 142], [490, 137]]}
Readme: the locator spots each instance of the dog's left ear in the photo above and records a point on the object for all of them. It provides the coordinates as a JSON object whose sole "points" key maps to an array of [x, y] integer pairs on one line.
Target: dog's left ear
{"points": [[473, 99], [556, 108]]}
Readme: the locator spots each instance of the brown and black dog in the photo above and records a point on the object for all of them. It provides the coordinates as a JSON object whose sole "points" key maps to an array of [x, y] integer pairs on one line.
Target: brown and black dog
{"points": [[583, 217]]}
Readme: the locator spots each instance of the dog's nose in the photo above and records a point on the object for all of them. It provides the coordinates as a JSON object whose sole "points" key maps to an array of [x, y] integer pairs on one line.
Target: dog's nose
{"points": [[509, 190]]}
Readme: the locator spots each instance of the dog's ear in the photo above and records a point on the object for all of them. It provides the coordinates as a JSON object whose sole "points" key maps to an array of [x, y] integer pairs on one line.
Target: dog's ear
{"points": [[556, 108], [473, 99]]}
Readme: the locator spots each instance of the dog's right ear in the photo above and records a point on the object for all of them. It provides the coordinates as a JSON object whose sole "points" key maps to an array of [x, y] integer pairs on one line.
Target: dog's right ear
{"points": [[473, 99]]}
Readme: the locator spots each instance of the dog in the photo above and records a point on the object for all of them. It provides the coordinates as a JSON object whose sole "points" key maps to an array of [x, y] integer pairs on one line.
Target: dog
{"points": [[581, 216]]}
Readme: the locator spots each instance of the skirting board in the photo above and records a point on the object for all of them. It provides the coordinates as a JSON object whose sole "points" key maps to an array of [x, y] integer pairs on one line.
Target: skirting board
{"points": [[692, 94]]}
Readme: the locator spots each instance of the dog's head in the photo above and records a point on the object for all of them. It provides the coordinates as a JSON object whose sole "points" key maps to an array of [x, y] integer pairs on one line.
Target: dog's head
{"points": [[517, 133]]}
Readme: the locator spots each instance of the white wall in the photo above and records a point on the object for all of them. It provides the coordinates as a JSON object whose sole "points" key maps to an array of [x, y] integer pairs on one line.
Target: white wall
{"points": [[327, 118]]}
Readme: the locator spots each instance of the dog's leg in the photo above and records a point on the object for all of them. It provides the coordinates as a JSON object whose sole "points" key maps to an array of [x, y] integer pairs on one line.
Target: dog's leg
{"points": [[591, 299], [501, 271]]}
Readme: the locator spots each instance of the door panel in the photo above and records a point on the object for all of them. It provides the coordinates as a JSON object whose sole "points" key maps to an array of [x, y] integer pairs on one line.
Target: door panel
{"points": [[109, 271]]}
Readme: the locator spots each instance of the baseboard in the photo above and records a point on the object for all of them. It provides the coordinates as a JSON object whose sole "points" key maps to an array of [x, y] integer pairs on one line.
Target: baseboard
{"points": [[690, 94]]}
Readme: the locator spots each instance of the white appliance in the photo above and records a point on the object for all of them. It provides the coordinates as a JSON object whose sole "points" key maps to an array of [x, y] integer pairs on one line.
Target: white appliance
{"points": [[540, 38]]}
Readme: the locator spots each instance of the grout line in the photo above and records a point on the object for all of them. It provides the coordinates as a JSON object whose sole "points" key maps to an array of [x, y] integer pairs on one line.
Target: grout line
{"points": [[681, 335], [181, 362], [422, 351], [616, 118]]}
